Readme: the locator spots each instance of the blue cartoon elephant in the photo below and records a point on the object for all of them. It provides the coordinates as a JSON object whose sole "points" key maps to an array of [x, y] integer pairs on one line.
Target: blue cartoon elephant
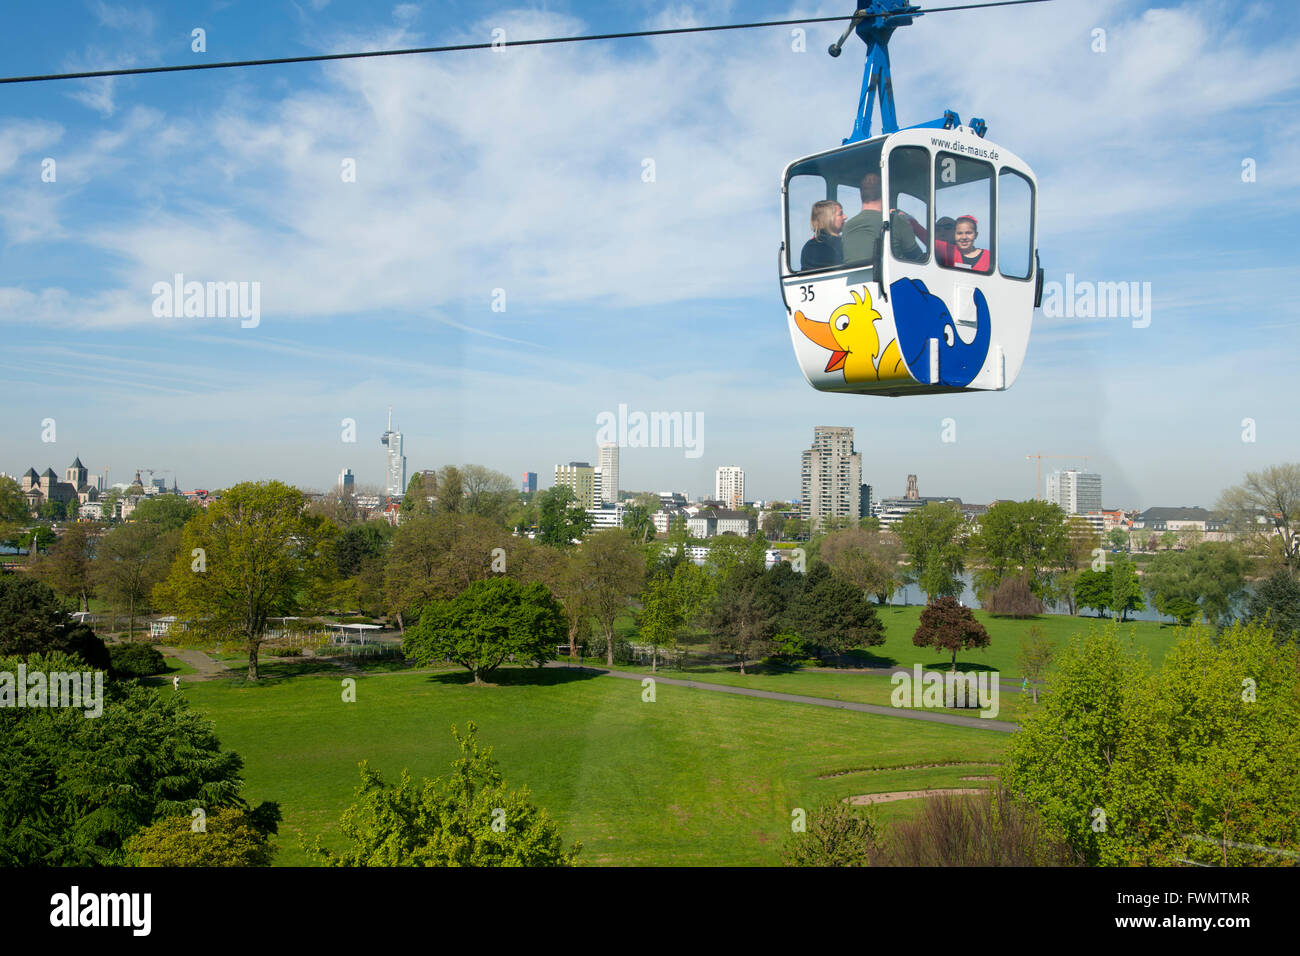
{"points": [[921, 316]]}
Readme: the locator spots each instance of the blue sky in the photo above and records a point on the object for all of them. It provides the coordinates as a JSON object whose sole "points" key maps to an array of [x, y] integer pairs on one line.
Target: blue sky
{"points": [[522, 171]]}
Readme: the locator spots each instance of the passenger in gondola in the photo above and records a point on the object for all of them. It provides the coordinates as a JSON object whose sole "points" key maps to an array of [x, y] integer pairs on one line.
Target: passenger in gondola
{"points": [[955, 249], [825, 248], [862, 232]]}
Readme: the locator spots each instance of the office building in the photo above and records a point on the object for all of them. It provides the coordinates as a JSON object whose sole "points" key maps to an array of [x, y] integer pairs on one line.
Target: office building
{"points": [[1077, 492], [529, 484], [347, 481], [580, 478]]}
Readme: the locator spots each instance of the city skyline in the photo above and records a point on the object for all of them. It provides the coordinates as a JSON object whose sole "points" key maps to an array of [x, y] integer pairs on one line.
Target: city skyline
{"points": [[360, 308]]}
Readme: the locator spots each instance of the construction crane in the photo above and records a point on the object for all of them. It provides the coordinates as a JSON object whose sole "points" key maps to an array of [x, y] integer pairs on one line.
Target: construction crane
{"points": [[1038, 476]]}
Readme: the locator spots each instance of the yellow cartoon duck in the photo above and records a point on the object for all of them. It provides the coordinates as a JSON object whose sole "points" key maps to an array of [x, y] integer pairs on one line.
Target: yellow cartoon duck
{"points": [[854, 344]]}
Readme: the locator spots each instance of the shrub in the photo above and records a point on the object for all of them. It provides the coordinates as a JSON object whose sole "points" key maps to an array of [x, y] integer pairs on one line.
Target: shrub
{"points": [[988, 829], [230, 838], [837, 835], [1013, 598], [136, 660]]}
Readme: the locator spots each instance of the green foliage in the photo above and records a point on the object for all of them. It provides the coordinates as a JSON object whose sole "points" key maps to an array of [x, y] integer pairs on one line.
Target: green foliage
{"points": [[13, 507], [264, 555], [932, 536], [611, 569], [639, 521], [1125, 588], [130, 561], [166, 512], [136, 660], [418, 499], [1093, 589], [487, 624], [1206, 747], [1029, 540], [33, 621], [837, 835], [468, 818], [947, 625], [865, 557], [77, 788], [1036, 653], [671, 601], [1209, 579], [359, 543], [1276, 600], [746, 613], [228, 838], [832, 615], [68, 566], [559, 521]]}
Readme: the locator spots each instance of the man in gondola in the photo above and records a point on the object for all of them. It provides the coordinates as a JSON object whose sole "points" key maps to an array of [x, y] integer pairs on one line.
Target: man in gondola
{"points": [[862, 233]]}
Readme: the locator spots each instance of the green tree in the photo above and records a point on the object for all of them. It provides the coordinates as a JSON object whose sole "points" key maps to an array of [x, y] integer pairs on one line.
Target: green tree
{"points": [[832, 615], [1117, 538], [165, 512], [253, 555], [639, 521], [1275, 602], [229, 837], [359, 543], [836, 835], [867, 559], [418, 500], [931, 535], [1029, 540], [488, 494], [1093, 589], [468, 818], [613, 569], [129, 562], [451, 491], [67, 567], [1192, 761], [76, 790], [1168, 580], [109, 502], [670, 602], [1125, 588], [746, 613], [14, 512], [486, 625], [33, 621], [947, 625], [560, 521], [1266, 507], [439, 557], [1036, 653]]}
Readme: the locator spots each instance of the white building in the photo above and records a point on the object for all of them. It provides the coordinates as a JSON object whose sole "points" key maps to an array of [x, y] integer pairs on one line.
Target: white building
{"points": [[606, 516], [347, 481], [1077, 492], [607, 465], [729, 486]]}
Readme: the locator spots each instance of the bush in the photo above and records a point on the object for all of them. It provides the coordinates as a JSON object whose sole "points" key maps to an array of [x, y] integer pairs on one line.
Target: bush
{"points": [[230, 838], [837, 835], [136, 660], [988, 829], [1014, 598]]}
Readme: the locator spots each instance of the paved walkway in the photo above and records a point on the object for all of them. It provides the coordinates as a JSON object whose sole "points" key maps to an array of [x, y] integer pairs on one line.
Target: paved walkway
{"points": [[978, 723], [207, 668]]}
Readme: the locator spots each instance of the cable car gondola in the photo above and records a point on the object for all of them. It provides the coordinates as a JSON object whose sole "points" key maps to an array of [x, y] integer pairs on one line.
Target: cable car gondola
{"points": [[927, 280]]}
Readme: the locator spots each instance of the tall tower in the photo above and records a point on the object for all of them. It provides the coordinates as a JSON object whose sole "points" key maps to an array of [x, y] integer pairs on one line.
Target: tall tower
{"points": [[607, 462], [831, 485], [394, 460]]}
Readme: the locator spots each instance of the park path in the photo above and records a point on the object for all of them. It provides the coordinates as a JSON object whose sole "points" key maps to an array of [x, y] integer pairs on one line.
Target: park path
{"points": [[978, 723], [207, 668]]}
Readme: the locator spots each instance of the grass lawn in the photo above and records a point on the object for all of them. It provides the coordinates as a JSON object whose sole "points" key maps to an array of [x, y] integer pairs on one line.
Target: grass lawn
{"points": [[696, 777], [177, 666]]}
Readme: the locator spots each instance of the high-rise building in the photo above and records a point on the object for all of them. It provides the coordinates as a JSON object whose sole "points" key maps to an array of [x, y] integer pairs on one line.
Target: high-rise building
{"points": [[394, 460], [831, 485], [1077, 492], [529, 484], [607, 462], [729, 486], [347, 481], [865, 503], [580, 477]]}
